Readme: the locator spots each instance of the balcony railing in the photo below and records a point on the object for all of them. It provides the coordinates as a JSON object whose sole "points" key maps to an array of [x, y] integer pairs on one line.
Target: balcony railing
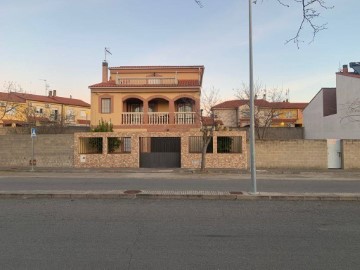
{"points": [[132, 118], [184, 118], [147, 81], [158, 118]]}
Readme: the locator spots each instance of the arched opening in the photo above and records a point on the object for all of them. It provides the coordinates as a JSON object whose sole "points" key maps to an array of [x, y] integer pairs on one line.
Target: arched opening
{"points": [[158, 111], [185, 111], [133, 112]]}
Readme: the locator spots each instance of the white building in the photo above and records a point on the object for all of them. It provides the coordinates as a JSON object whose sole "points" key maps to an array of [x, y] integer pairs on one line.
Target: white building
{"points": [[334, 113]]}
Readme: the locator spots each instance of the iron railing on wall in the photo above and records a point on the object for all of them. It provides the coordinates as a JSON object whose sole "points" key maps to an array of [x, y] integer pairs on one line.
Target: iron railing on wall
{"points": [[90, 145], [229, 144]]}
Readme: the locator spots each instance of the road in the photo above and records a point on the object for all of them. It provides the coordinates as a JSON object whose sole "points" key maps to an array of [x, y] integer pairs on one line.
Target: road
{"points": [[173, 181], [175, 234]]}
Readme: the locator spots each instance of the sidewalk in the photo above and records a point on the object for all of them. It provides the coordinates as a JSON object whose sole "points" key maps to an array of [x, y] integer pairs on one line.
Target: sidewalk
{"points": [[176, 194]]}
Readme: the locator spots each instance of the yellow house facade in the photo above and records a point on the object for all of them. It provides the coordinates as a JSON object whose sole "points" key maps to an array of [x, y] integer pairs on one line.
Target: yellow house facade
{"points": [[149, 98], [21, 109]]}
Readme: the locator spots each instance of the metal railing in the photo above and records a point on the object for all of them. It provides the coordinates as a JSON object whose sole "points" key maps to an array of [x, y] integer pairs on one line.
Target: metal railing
{"points": [[185, 118], [147, 81], [132, 118], [158, 118]]}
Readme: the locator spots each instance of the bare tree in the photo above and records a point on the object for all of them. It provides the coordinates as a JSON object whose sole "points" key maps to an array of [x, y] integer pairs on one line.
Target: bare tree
{"points": [[265, 111], [351, 111], [207, 129], [210, 98], [310, 11], [9, 104]]}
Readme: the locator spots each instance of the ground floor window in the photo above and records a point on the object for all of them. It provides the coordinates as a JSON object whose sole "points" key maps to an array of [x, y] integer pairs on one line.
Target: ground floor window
{"points": [[229, 144], [196, 145]]}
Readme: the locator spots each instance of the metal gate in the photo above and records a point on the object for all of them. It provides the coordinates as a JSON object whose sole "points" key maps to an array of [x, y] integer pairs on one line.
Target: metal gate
{"points": [[160, 152]]}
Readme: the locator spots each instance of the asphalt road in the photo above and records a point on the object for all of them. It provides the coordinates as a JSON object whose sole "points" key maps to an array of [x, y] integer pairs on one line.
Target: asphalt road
{"points": [[172, 181], [175, 234]]}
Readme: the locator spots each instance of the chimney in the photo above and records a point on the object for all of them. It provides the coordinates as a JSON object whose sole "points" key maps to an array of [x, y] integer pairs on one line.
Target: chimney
{"points": [[105, 71], [54, 93], [50, 93], [345, 69], [264, 96]]}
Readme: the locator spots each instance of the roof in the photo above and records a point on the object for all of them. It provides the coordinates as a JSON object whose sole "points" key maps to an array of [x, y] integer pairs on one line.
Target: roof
{"points": [[157, 67], [232, 104], [349, 74], [112, 84], [209, 121], [10, 97], [22, 97]]}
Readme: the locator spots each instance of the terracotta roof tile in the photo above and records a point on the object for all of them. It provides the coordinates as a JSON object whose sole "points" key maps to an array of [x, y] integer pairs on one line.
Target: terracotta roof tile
{"points": [[112, 84], [53, 99], [11, 97], [232, 104], [156, 67]]}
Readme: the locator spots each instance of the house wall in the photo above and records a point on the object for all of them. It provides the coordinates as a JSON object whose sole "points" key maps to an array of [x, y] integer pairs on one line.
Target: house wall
{"points": [[227, 116], [49, 150], [131, 160], [292, 154], [335, 126]]}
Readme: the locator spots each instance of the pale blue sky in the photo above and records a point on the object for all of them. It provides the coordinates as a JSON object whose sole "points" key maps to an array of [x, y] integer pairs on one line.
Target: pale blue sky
{"points": [[63, 42]]}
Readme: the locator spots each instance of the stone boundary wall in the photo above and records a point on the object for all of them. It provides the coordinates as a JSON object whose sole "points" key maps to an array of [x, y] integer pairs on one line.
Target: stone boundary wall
{"points": [[291, 154], [49, 150], [351, 154], [132, 160]]}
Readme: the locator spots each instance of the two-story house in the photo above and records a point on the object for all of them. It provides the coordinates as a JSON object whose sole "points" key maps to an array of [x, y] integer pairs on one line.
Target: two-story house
{"points": [[236, 113], [150, 98], [22, 109]]}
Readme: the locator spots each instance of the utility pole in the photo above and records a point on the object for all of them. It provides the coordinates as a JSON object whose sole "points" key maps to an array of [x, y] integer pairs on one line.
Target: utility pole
{"points": [[252, 111]]}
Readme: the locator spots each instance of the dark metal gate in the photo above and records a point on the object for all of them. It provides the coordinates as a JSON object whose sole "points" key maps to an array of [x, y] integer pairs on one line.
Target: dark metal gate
{"points": [[160, 152]]}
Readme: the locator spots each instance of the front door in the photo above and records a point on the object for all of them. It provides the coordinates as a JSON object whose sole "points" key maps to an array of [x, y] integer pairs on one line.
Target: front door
{"points": [[334, 153]]}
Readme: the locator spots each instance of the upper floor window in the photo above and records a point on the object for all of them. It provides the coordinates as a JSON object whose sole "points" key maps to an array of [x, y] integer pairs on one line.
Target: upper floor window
{"points": [[106, 105]]}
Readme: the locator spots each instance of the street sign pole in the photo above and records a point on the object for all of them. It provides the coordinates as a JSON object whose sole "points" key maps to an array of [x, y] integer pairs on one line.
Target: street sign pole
{"points": [[33, 135]]}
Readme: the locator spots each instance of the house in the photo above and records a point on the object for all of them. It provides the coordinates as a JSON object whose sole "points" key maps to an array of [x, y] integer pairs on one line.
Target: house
{"points": [[149, 98], [22, 109], [334, 113], [236, 113], [156, 118]]}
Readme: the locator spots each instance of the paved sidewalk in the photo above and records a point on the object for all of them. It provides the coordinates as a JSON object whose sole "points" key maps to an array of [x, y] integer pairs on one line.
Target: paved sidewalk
{"points": [[198, 195], [176, 194]]}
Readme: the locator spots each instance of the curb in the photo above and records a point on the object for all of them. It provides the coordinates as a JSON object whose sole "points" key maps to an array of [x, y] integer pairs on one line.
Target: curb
{"points": [[178, 195]]}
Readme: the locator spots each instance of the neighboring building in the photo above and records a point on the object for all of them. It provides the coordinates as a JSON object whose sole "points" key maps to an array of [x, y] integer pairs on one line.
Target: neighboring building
{"points": [[148, 98], [334, 113], [236, 113], [21, 109]]}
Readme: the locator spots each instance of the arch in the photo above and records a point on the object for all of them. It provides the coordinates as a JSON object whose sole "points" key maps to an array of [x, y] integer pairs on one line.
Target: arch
{"points": [[133, 96], [158, 96]]}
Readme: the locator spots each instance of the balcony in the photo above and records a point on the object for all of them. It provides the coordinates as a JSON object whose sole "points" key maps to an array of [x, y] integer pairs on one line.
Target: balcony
{"points": [[158, 118], [146, 81]]}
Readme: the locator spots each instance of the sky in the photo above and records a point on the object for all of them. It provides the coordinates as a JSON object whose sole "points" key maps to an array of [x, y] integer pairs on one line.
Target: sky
{"points": [[62, 42]]}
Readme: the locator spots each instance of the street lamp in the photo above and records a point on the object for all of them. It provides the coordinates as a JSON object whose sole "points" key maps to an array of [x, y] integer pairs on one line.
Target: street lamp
{"points": [[252, 111]]}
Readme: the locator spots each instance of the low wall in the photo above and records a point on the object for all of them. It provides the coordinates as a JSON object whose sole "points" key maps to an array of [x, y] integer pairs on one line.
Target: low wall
{"points": [[291, 154], [49, 150], [351, 154], [131, 160]]}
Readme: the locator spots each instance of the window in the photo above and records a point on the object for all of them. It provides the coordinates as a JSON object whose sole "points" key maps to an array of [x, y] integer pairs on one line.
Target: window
{"points": [[39, 110], [118, 145], [105, 105], [55, 115], [90, 145], [83, 114], [196, 144], [229, 144]]}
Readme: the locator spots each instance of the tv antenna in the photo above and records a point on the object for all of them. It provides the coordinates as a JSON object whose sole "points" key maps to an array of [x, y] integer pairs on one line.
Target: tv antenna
{"points": [[199, 3], [107, 51], [46, 86]]}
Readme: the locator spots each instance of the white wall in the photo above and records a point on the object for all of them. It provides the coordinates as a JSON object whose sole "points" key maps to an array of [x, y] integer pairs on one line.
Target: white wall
{"points": [[316, 126]]}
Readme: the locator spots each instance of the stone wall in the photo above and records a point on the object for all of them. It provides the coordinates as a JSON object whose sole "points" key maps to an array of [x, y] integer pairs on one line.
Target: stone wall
{"points": [[351, 154], [292, 154], [49, 150], [131, 160]]}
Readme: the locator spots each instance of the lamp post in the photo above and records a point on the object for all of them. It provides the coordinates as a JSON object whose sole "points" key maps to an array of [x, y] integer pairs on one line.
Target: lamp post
{"points": [[252, 112]]}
